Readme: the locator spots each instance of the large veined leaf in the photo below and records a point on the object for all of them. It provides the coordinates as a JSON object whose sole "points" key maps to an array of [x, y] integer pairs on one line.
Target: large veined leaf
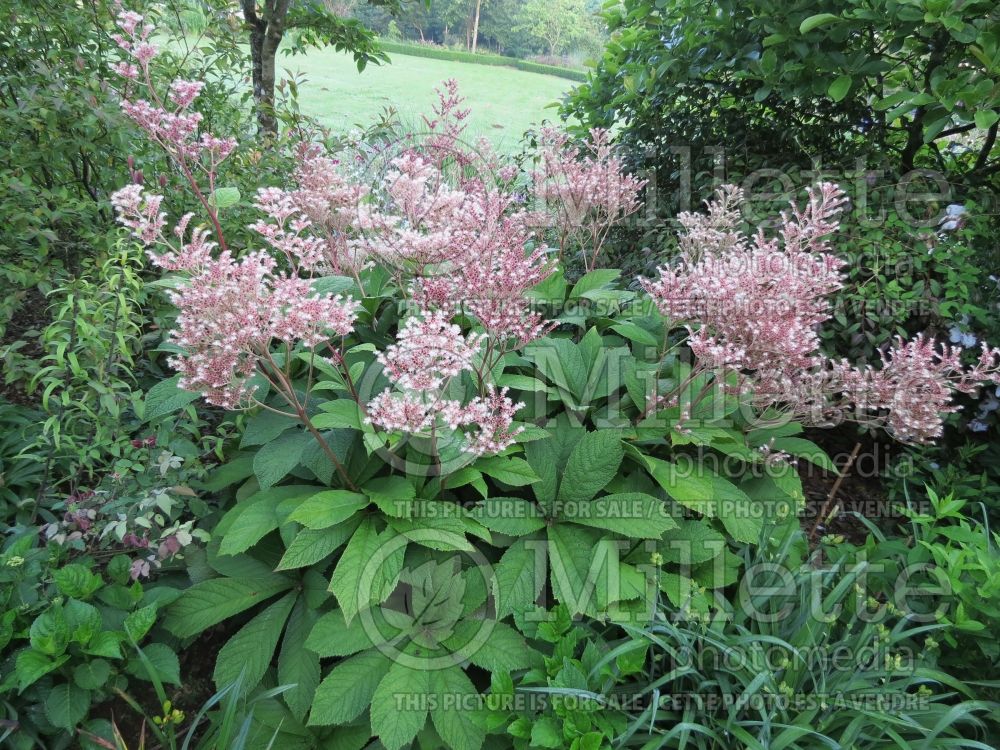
{"points": [[348, 689], [692, 542], [519, 576], [164, 398], [454, 713], [575, 564], [311, 545], [562, 363], [212, 601], [298, 665], [399, 705], [328, 508], [333, 636], [492, 645], [250, 651], [509, 470], [251, 523], [631, 514], [277, 458], [266, 426], [513, 516], [357, 581], [66, 705], [393, 495], [694, 490], [593, 463]]}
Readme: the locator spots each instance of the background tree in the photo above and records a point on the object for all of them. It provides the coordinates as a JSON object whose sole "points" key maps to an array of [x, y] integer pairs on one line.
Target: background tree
{"points": [[896, 80], [556, 23], [269, 20]]}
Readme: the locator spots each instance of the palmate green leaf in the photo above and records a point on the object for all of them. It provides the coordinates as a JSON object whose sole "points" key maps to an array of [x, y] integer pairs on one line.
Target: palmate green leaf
{"points": [[328, 508], [312, 545], [454, 712], [502, 650], [348, 689], [593, 463], [333, 636], [631, 514], [298, 665], [66, 705], [692, 542], [249, 652], [212, 601], [440, 532], [355, 582], [519, 577], [393, 495], [399, 705]]}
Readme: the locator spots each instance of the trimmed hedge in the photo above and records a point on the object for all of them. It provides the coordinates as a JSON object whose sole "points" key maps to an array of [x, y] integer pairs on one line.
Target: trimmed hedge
{"points": [[441, 53]]}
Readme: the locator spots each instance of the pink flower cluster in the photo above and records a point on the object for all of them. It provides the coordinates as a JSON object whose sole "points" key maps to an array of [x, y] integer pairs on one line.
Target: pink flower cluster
{"points": [[753, 306], [429, 352], [757, 302], [587, 188], [169, 121]]}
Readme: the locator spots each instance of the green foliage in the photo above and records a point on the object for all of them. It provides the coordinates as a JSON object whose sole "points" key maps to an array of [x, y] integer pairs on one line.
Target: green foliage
{"points": [[889, 78], [480, 58], [954, 562], [67, 634], [412, 581], [801, 656]]}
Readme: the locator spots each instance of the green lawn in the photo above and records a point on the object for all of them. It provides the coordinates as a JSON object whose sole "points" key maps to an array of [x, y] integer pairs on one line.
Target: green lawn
{"points": [[504, 101]]}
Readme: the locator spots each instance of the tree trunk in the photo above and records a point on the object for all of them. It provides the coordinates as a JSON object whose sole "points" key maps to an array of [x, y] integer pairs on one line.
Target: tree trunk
{"points": [[475, 26], [266, 31]]}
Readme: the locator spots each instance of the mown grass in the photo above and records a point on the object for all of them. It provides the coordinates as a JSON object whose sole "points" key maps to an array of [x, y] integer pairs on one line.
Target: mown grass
{"points": [[504, 101]]}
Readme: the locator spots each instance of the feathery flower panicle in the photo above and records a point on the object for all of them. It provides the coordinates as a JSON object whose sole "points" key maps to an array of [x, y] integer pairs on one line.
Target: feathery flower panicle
{"points": [[232, 311], [490, 419], [753, 306], [168, 120], [587, 189], [429, 351]]}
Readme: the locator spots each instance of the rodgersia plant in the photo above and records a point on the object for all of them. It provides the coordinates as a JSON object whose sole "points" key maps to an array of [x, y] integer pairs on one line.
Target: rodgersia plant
{"points": [[445, 438]]}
